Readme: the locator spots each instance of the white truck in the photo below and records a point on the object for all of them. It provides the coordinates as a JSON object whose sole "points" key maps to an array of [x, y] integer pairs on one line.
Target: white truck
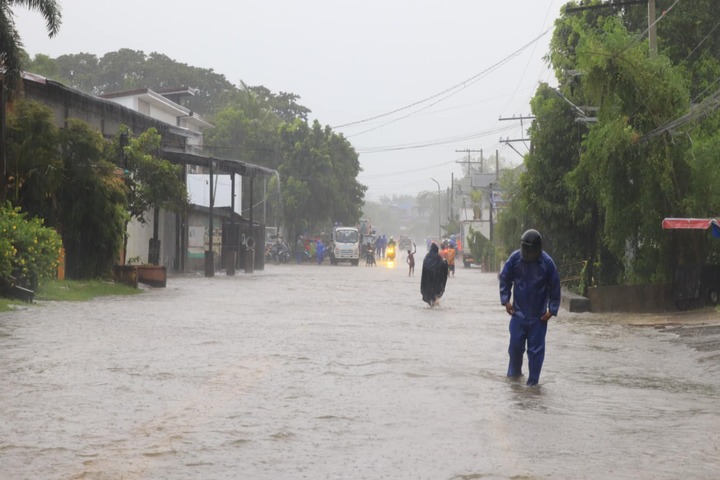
{"points": [[345, 246]]}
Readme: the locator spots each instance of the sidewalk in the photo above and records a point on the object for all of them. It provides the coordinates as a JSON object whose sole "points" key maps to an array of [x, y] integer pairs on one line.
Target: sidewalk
{"points": [[704, 316]]}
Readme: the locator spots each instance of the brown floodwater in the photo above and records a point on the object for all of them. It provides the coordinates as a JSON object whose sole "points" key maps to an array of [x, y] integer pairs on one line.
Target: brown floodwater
{"points": [[341, 372]]}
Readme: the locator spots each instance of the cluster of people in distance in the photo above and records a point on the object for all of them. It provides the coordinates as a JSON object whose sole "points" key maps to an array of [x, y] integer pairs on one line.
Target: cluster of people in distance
{"points": [[309, 249]]}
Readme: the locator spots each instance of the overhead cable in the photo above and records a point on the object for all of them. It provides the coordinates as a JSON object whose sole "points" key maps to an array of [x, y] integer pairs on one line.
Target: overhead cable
{"points": [[462, 85]]}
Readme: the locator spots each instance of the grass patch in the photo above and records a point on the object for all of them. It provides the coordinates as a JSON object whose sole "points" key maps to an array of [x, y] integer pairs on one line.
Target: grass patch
{"points": [[7, 305], [81, 290], [71, 291]]}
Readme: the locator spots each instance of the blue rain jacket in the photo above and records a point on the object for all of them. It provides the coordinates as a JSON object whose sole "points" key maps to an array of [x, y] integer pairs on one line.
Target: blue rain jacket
{"points": [[537, 286]]}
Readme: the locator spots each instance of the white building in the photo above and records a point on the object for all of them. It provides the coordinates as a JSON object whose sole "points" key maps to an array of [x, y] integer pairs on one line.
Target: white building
{"points": [[185, 123]]}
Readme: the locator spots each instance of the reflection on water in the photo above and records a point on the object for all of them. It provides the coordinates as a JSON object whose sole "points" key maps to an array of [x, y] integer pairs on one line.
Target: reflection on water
{"points": [[343, 372]]}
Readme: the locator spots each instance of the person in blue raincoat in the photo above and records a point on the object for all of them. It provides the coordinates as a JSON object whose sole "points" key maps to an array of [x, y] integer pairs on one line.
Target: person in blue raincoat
{"points": [[531, 278], [320, 251]]}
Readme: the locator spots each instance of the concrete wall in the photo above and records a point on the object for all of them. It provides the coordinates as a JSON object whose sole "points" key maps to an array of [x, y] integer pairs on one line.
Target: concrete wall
{"points": [[572, 302], [631, 298], [139, 236]]}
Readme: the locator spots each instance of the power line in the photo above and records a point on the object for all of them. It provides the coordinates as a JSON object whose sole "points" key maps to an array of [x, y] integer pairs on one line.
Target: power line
{"points": [[547, 14], [432, 143], [462, 85], [403, 172], [709, 104]]}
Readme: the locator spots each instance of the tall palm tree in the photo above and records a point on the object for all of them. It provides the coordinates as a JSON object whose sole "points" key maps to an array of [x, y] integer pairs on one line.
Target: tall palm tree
{"points": [[10, 43]]}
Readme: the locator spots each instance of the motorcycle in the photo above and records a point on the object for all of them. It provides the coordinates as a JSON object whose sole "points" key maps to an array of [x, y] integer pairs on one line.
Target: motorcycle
{"points": [[390, 253], [279, 252]]}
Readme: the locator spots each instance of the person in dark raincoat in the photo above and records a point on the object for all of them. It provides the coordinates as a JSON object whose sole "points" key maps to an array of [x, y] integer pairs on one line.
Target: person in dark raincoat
{"points": [[530, 275], [434, 276]]}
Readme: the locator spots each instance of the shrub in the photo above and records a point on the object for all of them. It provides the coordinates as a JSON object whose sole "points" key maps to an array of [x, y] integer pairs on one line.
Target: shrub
{"points": [[27, 248]]}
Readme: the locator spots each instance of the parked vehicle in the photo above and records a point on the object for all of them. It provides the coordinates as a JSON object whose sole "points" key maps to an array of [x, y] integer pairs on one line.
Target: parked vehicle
{"points": [[696, 285], [278, 252]]}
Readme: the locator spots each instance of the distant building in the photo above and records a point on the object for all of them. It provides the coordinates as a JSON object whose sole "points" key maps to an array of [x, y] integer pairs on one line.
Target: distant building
{"points": [[161, 107]]}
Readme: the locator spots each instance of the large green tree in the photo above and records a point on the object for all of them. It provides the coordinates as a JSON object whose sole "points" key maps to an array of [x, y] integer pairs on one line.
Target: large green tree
{"points": [[556, 137], [128, 69], [35, 168], [92, 203], [635, 181], [61, 176], [319, 175], [617, 147], [246, 129], [65, 176]]}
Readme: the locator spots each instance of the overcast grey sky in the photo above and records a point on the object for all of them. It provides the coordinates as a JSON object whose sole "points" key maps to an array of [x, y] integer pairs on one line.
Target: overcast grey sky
{"points": [[457, 65]]}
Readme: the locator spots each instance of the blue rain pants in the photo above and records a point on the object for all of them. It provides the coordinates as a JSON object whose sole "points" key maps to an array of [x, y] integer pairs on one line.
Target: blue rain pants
{"points": [[530, 332]]}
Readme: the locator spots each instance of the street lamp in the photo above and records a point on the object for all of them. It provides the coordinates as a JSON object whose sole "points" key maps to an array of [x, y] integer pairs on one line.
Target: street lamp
{"points": [[439, 212]]}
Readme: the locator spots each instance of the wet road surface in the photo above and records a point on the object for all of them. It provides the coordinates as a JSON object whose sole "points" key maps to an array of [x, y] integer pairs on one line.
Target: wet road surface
{"points": [[342, 372]]}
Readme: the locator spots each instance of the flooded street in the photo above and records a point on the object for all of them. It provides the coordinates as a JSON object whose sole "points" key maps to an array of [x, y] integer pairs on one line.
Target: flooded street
{"points": [[342, 372]]}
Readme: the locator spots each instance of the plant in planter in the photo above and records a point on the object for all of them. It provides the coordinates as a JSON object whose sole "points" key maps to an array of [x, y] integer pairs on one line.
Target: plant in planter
{"points": [[476, 200]]}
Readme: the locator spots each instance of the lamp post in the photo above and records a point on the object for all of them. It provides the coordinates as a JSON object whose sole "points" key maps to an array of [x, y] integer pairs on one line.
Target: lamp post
{"points": [[439, 211]]}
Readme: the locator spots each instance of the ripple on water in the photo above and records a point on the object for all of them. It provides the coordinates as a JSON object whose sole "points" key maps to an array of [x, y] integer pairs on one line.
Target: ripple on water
{"points": [[373, 384]]}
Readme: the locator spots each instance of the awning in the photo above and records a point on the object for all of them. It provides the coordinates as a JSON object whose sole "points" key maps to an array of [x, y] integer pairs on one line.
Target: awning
{"points": [[692, 224]]}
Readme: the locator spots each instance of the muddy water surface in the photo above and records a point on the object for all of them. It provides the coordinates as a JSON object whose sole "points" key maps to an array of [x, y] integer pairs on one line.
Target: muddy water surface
{"points": [[342, 372]]}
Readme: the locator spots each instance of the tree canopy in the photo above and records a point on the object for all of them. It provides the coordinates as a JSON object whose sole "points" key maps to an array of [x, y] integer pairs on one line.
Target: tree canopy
{"points": [[319, 172], [625, 140], [11, 57], [318, 167]]}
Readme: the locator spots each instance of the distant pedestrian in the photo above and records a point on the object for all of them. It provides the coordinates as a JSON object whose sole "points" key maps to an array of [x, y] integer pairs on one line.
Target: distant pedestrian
{"points": [[531, 278], [411, 261], [299, 249], [450, 257], [320, 251]]}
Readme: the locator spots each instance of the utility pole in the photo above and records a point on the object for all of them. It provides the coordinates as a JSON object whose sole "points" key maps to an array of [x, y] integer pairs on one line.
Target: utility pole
{"points": [[652, 17], [497, 178], [451, 199], [3, 163], [491, 213], [209, 255], [468, 162], [439, 211], [652, 31], [497, 164], [508, 141]]}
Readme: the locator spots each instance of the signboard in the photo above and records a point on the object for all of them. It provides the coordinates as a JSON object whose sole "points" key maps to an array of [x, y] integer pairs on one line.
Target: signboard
{"points": [[498, 200], [199, 190]]}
